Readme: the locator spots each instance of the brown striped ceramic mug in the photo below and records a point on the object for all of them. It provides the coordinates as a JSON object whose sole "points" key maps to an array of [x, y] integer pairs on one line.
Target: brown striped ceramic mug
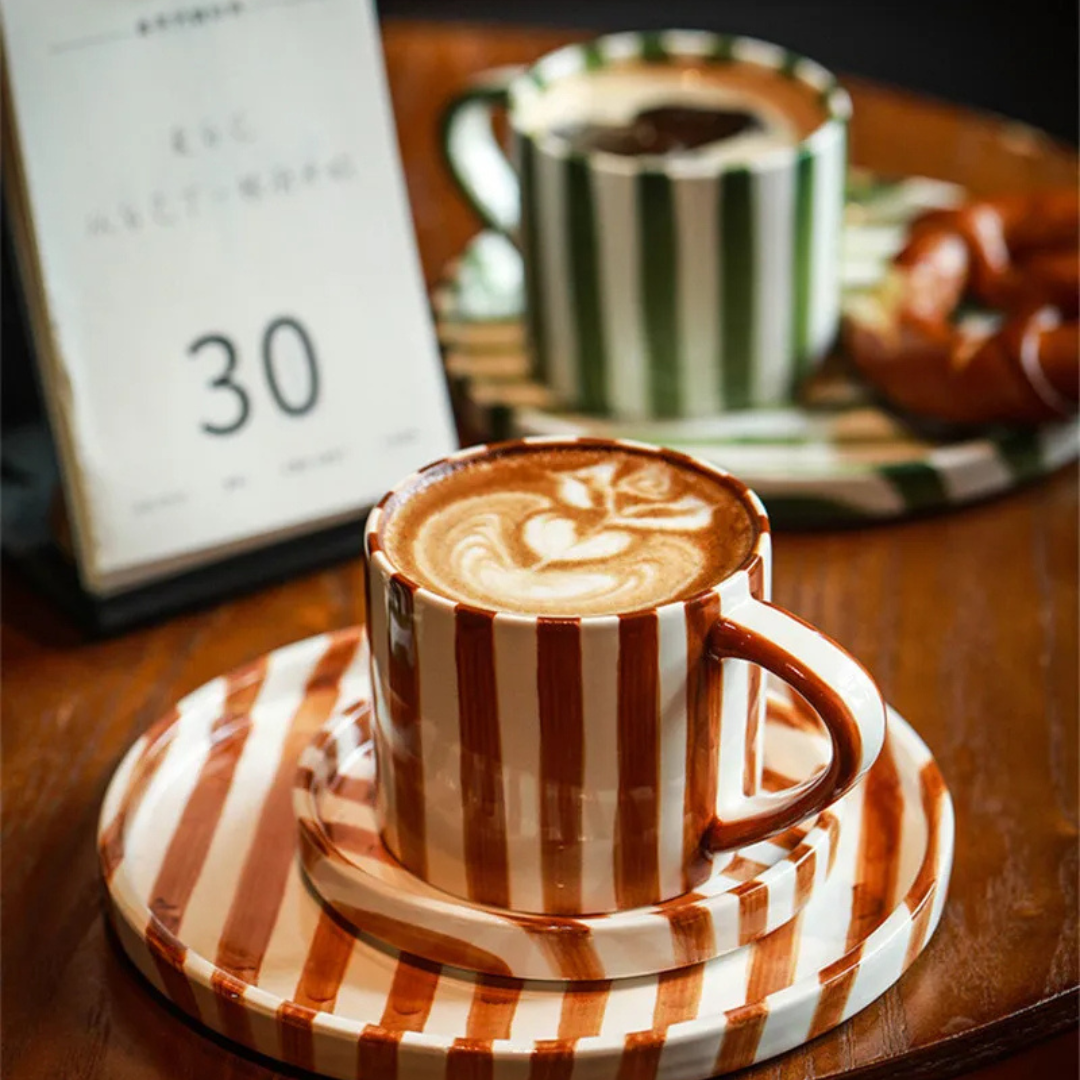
{"points": [[677, 197], [567, 646]]}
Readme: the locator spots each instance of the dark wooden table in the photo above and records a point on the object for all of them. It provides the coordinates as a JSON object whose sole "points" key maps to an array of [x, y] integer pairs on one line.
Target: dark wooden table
{"points": [[969, 622]]}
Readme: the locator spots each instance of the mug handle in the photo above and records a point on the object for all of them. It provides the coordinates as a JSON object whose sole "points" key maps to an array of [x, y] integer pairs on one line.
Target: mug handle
{"points": [[838, 688], [480, 168]]}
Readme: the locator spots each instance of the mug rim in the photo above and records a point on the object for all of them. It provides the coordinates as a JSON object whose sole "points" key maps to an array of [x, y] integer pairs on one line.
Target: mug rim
{"points": [[376, 553], [656, 47]]}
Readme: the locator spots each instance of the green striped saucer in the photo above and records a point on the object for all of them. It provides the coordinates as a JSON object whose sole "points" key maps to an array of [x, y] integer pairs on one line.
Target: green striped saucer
{"points": [[838, 458]]}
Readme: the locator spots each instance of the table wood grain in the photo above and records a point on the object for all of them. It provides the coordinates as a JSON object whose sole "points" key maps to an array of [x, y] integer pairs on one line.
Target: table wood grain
{"points": [[968, 620]]}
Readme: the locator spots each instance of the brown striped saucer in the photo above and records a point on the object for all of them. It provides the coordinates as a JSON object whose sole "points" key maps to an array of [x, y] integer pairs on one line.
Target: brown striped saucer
{"points": [[750, 893], [209, 902]]}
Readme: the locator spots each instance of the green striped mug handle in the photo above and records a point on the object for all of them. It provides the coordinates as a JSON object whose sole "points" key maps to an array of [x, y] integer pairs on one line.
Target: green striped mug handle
{"points": [[478, 164]]}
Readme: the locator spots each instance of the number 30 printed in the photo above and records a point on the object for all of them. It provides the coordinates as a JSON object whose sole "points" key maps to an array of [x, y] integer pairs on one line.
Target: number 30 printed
{"points": [[225, 380]]}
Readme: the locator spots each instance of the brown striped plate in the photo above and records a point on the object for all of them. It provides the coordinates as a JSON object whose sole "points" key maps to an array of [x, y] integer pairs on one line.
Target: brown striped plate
{"points": [[750, 893], [208, 899]]}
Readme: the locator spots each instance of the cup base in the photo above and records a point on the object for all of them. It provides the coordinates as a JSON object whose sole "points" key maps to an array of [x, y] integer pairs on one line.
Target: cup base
{"points": [[750, 892]]}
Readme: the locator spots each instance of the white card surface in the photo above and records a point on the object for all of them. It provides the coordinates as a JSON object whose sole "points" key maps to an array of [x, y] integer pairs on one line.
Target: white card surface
{"points": [[243, 347]]}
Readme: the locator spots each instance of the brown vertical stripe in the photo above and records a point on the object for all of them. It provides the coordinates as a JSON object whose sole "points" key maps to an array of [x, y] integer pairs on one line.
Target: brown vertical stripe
{"points": [[376, 1053], [186, 853], [490, 1017], [772, 962], [583, 1008], [832, 823], [111, 843], [756, 573], [365, 565], [316, 991], [692, 934], [562, 761], [790, 839], [876, 867], [486, 870], [920, 897], [330, 755], [411, 994], [257, 900], [358, 789], [233, 1019], [744, 869], [570, 951], [704, 690], [551, 1059], [741, 1037], [168, 956], [678, 996], [404, 741], [805, 871], [190, 842], [836, 982], [753, 910], [750, 762], [641, 1055], [772, 968], [469, 1059], [408, 1004], [491, 1013], [637, 857]]}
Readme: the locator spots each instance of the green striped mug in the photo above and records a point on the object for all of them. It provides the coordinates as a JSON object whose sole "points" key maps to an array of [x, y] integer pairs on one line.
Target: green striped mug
{"points": [[664, 285]]}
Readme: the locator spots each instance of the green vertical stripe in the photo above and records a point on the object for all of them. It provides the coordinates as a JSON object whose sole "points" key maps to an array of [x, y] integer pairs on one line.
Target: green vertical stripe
{"points": [[652, 48], [1022, 453], [585, 286], [801, 265], [737, 299], [590, 51], [920, 485], [534, 307], [722, 50], [659, 289]]}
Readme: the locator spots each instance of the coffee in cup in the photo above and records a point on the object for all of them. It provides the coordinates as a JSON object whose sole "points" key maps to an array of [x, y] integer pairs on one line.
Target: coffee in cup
{"points": [[737, 110], [569, 530]]}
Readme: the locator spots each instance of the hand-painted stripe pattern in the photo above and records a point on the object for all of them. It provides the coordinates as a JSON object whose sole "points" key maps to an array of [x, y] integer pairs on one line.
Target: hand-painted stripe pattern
{"points": [[350, 1008]]}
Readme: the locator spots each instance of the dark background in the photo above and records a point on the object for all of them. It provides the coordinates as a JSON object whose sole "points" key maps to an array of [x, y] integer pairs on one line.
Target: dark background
{"points": [[1012, 57]]}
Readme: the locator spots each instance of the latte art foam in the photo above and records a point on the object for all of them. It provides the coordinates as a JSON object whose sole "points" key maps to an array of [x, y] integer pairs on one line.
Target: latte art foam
{"points": [[569, 532]]}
